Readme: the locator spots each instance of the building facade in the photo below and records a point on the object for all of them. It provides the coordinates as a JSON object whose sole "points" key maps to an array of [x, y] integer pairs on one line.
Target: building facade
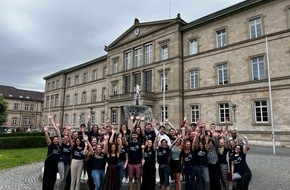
{"points": [[232, 64], [24, 108]]}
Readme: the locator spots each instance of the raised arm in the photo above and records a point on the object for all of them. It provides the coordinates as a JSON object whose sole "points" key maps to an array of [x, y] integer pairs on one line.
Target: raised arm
{"points": [[48, 141], [87, 144], [57, 132], [245, 147], [170, 124]]}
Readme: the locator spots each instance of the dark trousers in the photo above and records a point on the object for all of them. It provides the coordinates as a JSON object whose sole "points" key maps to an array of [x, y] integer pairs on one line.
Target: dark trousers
{"points": [[214, 176], [243, 183], [49, 174], [190, 174]]}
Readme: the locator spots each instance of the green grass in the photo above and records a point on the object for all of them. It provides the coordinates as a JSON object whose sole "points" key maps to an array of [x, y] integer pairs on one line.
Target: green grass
{"points": [[16, 157]]}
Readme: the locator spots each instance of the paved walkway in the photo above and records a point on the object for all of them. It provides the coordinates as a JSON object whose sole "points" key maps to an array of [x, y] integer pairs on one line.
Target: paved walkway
{"points": [[270, 172]]}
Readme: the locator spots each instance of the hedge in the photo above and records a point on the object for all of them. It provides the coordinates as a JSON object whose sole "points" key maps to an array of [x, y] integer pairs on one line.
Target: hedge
{"points": [[20, 134], [22, 142]]}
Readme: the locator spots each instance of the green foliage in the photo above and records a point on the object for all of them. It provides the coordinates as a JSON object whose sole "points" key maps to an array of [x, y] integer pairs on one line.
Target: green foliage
{"points": [[22, 142], [17, 157], [20, 134], [3, 110]]}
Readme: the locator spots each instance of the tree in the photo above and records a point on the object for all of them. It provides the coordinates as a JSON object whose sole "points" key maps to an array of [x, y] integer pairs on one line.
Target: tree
{"points": [[3, 110]]}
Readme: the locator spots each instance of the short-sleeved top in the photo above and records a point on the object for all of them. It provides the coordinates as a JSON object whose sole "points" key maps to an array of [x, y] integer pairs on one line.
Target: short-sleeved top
{"points": [[240, 163], [149, 155], [188, 158], [135, 152], [99, 161], [92, 135], [150, 135], [212, 156], [163, 155], [124, 151], [222, 156], [201, 157], [65, 153], [53, 152], [77, 153], [175, 153]]}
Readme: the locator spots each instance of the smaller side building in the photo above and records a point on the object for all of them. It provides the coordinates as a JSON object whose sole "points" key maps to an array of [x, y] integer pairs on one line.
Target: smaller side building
{"points": [[24, 108]]}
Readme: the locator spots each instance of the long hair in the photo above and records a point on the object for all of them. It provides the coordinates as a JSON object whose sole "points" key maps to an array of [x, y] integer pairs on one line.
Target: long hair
{"points": [[110, 148]]}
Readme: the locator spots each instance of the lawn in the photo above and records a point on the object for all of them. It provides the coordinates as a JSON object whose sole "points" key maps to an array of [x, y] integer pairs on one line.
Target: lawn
{"points": [[17, 157]]}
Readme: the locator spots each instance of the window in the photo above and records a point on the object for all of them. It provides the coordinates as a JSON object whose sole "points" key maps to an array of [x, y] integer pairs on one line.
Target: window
{"points": [[25, 121], [93, 117], [114, 116], [162, 113], [16, 106], [224, 112], [84, 97], [258, 68], [31, 107], [104, 72], [30, 121], [103, 117], [57, 84], [138, 57], [94, 74], [52, 85], [148, 81], [261, 111], [74, 119], [128, 60], [255, 26], [76, 99], [47, 102], [127, 83], [54, 117], [67, 100], [115, 66], [164, 82], [193, 75], [48, 86], [221, 38], [148, 54], [94, 96], [82, 118], [104, 94], [194, 111], [14, 120], [222, 71], [164, 52], [114, 89], [68, 82], [66, 118], [193, 46], [26, 107], [51, 101], [76, 80], [56, 100], [85, 77], [137, 79]]}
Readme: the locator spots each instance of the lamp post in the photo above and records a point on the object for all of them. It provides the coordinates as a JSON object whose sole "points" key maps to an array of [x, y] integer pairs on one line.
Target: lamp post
{"points": [[234, 106]]}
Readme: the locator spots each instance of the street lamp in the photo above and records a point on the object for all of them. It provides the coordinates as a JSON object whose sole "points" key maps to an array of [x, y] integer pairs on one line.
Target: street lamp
{"points": [[234, 106]]}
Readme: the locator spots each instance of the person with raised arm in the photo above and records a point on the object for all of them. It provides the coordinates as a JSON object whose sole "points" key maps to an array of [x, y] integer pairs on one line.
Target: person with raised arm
{"points": [[123, 158], [222, 156], [64, 159], [240, 166], [189, 163], [150, 130], [51, 161]]}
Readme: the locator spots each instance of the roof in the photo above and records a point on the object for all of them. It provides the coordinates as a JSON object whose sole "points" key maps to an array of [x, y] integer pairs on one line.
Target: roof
{"points": [[10, 92], [65, 71], [224, 12]]}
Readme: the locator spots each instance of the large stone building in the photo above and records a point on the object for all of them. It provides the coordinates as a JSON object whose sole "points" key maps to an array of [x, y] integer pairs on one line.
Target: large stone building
{"points": [[24, 108], [214, 68]]}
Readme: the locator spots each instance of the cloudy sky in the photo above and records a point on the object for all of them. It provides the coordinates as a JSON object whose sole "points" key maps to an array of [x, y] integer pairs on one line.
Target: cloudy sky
{"points": [[41, 37]]}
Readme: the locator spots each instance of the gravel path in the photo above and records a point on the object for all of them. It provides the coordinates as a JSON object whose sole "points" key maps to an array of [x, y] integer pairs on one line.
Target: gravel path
{"points": [[270, 172]]}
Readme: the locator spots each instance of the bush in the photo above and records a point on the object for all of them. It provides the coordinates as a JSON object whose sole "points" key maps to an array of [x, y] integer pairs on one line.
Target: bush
{"points": [[22, 142], [21, 134]]}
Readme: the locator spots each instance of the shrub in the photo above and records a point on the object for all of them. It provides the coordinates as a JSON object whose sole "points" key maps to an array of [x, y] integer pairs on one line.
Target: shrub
{"points": [[21, 134], [22, 142]]}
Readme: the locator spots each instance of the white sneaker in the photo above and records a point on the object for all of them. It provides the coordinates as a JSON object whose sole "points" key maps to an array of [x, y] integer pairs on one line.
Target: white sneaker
{"points": [[123, 180], [127, 180]]}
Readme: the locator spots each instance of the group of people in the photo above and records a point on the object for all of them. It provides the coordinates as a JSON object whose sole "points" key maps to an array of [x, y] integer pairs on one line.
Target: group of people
{"points": [[203, 158]]}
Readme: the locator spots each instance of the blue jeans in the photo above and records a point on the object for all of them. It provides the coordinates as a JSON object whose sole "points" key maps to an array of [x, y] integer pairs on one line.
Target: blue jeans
{"points": [[63, 171], [98, 177], [164, 172], [203, 178], [190, 173], [121, 171]]}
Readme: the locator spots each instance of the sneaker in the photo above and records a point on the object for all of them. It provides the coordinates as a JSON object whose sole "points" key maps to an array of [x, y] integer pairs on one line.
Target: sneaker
{"points": [[127, 180], [123, 181]]}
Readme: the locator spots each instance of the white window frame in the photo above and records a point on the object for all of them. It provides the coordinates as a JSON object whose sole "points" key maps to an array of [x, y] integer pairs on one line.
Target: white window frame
{"points": [[137, 79], [148, 81], [85, 77], [261, 112], [74, 116], [193, 46], [103, 94], [164, 52], [77, 79], [76, 96], [194, 79], [148, 54], [138, 56], [16, 106], [67, 100], [103, 115], [114, 116], [94, 96], [56, 100], [82, 118], [194, 113], [31, 107], [127, 83], [162, 112], [256, 25], [224, 112], [14, 120], [221, 37], [68, 82], [128, 60], [258, 68], [105, 72], [84, 97], [95, 74], [162, 82], [222, 74], [26, 107], [115, 89], [115, 67]]}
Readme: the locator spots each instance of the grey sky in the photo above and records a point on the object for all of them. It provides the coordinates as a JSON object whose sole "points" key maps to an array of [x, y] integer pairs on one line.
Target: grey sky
{"points": [[40, 37]]}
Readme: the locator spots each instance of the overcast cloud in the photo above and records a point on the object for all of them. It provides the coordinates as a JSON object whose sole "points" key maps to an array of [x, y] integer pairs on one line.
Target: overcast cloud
{"points": [[41, 37]]}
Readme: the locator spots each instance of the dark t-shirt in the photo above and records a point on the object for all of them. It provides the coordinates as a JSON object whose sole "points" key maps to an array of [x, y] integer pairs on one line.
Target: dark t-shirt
{"points": [[149, 155], [240, 163], [65, 153], [163, 155], [150, 135], [201, 157], [222, 158], [99, 161], [77, 153], [124, 151], [53, 152], [135, 152], [188, 158]]}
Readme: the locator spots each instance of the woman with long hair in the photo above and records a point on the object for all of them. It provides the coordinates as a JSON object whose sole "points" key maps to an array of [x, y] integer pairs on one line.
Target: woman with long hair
{"points": [[149, 169], [175, 162], [223, 163], [202, 165]]}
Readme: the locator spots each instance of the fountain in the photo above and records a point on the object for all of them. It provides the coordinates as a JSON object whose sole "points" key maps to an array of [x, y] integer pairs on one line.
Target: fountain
{"points": [[137, 109]]}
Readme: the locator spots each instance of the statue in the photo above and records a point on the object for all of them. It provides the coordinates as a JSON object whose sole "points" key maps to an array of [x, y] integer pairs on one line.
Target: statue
{"points": [[137, 94]]}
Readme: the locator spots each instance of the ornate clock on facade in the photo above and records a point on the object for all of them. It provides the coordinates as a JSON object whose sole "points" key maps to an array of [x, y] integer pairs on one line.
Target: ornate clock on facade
{"points": [[136, 31]]}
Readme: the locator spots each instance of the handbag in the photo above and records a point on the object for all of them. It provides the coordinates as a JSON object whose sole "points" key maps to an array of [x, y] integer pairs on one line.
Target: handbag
{"points": [[236, 176]]}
